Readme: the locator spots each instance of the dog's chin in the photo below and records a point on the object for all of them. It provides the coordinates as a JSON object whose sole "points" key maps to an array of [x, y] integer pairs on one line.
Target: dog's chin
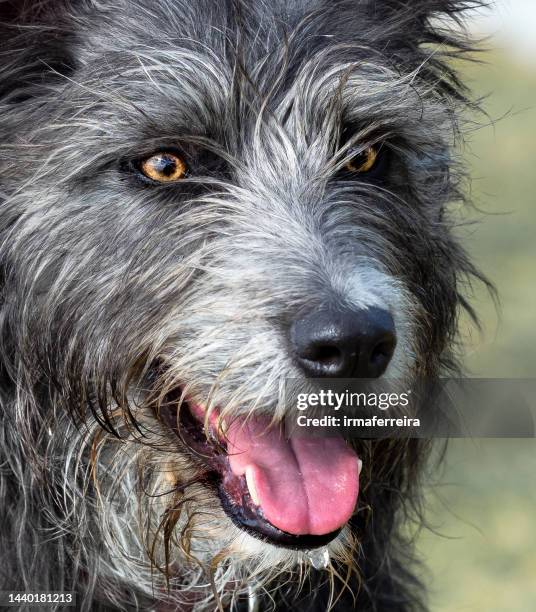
{"points": [[244, 497]]}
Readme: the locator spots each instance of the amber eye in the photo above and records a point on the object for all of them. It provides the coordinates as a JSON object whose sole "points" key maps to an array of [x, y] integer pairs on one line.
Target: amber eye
{"points": [[363, 161], [165, 167]]}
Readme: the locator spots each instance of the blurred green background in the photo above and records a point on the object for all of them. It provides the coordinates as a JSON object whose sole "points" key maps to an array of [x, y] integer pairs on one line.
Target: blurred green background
{"points": [[482, 554]]}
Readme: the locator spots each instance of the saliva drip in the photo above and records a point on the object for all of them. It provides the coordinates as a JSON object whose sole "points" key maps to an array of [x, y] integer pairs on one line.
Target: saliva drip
{"points": [[318, 558]]}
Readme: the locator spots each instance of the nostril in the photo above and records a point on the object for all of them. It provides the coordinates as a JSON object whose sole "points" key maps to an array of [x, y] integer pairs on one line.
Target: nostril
{"points": [[381, 352], [325, 354]]}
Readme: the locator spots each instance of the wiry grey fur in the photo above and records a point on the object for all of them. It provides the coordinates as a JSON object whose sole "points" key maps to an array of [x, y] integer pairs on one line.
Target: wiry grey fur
{"points": [[112, 288]]}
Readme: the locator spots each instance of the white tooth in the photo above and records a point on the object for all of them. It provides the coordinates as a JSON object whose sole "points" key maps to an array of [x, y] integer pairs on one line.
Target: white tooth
{"points": [[251, 486], [359, 466]]}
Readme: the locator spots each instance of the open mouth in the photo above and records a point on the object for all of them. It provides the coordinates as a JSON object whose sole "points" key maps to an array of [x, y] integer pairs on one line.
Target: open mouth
{"points": [[295, 492]]}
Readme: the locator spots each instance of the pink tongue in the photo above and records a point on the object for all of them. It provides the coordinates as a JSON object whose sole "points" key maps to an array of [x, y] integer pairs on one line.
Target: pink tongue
{"points": [[303, 485]]}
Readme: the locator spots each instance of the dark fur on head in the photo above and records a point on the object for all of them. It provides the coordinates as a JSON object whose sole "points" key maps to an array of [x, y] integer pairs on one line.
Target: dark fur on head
{"points": [[114, 291]]}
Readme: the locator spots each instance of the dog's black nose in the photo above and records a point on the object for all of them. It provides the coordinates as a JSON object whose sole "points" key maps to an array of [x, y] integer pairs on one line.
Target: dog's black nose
{"points": [[344, 343]]}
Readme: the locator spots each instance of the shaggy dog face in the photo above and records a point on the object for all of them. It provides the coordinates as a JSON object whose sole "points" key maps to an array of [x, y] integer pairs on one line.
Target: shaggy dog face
{"points": [[180, 183]]}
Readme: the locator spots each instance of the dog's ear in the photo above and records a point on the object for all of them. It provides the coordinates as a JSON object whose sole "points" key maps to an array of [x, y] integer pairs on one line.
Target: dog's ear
{"points": [[422, 35], [421, 21], [34, 44], [26, 11], [420, 11]]}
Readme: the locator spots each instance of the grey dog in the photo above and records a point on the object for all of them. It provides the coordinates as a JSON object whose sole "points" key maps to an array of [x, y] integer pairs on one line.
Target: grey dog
{"points": [[200, 199]]}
